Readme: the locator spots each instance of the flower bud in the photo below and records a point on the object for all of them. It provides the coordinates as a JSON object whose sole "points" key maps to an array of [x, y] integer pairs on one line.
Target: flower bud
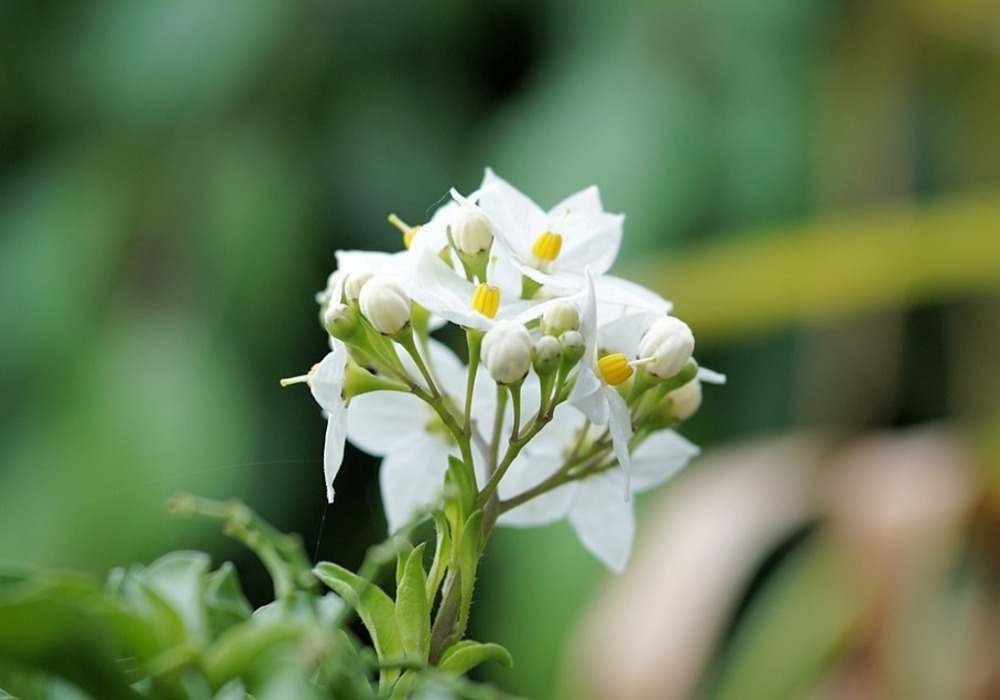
{"points": [[340, 321], [471, 231], [684, 401], [666, 347], [507, 352], [354, 283], [573, 347], [385, 305], [546, 355], [560, 317]]}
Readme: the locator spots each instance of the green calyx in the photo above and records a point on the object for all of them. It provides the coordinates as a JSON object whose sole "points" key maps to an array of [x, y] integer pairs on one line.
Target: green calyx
{"points": [[358, 380]]}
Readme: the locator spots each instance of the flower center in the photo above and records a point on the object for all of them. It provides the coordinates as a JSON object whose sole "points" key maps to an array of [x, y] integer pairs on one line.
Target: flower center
{"points": [[547, 246], [486, 300], [614, 368]]}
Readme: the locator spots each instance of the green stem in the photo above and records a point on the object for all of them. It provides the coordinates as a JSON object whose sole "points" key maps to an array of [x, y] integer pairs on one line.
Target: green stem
{"points": [[407, 340], [474, 339], [498, 419]]}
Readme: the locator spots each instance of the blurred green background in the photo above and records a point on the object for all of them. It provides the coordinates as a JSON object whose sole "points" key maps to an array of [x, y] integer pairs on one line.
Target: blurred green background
{"points": [[816, 184]]}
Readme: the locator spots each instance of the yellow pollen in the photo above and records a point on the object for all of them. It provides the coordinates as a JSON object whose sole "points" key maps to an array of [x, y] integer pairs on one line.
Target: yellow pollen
{"points": [[547, 246], [614, 368], [486, 300]]}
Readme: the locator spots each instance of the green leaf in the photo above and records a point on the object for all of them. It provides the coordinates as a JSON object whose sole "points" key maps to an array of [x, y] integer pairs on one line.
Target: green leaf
{"points": [[401, 556], [413, 614], [463, 656], [374, 607], [463, 482], [225, 603], [468, 560], [237, 652], [442, 555], [178, 578]]}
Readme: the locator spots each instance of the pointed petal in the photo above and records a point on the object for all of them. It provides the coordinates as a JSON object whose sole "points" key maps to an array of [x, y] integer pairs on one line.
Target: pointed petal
{"points": [[586, 202], [378, 422], [588, 321], [603, 520], [589, 242], [412, 478], [541, 510], [658, 458], [516, 220], [620, 425], [525, 473], [617, 296], [588, 397], [326, 380], [443, 292], [623, 334], [333, 447]]}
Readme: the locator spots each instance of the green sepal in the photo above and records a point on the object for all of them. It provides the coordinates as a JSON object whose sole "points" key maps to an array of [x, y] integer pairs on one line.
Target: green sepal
{"points": [[373, 606], [463, 656], [358, 380], [413, 615]]}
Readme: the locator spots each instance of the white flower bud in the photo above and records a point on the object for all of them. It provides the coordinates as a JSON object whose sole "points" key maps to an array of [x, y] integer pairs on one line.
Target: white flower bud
{"points": [[573, 347], [507, 352], [560, 317], [547, 354], [666, 347], [385, 305], [354, 283], [471, 231], [340, 321], [685, 401]]}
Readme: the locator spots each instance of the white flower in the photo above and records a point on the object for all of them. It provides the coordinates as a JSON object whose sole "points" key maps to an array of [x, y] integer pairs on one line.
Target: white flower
{"points": [[451, 296], [412, 439], [355, 282], [552, 247], [326, 382], [594, 392], [507, 352], [667, 346], [602, 519], [385, 304]]}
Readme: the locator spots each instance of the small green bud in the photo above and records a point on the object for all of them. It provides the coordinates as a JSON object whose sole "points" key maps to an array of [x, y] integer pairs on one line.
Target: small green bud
{"points": [[546, 355], [340, 321], [573, 347]]}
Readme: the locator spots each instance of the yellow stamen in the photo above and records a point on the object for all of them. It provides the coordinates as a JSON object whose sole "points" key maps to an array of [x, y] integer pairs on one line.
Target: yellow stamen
{"points": [[614, 368], [409, 232], [547, 246], [486, 300]]}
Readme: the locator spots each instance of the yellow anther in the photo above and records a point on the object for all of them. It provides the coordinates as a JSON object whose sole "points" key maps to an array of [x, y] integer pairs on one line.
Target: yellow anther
{"points": [[547, 246], [486, 300], [409, 232], [614, 368]]}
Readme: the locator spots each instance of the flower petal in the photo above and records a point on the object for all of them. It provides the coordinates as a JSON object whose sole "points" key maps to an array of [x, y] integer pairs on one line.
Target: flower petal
{"points": [[444, 293], [617, 296], [541, 510], [603, 520], [326, 380], [658, 458], [526, 472], [587, 396], [333, 447], [620, 426], [412, 478], [380, 421], [623, 334], [516, 220], [586, 202], [589, 242]]}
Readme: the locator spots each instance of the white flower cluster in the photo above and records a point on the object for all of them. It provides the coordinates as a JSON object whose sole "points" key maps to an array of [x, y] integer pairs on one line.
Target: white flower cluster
{"points": [[585, 374]]}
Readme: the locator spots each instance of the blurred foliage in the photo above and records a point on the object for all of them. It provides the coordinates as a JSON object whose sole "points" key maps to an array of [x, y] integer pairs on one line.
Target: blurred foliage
{"points": [[175, 177]]}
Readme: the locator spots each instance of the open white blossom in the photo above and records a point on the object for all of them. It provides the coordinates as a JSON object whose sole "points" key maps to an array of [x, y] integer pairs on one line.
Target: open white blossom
{"points": [[602, 519]]}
